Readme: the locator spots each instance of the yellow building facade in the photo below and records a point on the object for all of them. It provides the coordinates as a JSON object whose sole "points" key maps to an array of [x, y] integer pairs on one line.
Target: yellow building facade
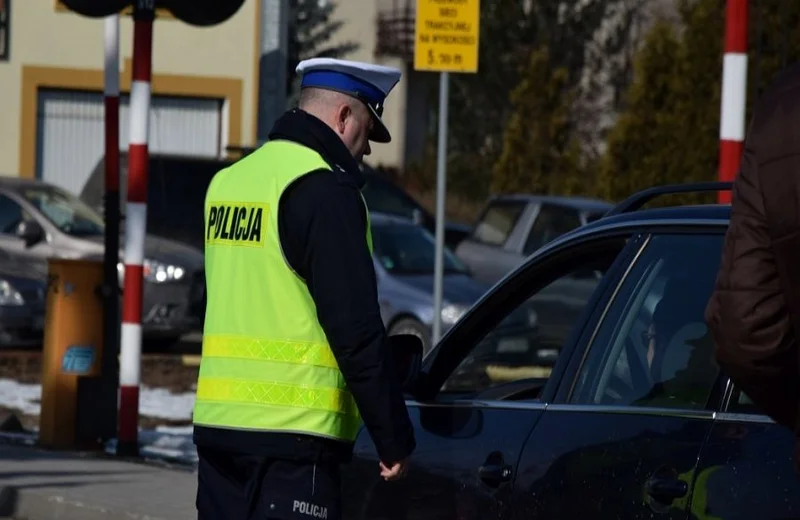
{"points": [[204, 87]]}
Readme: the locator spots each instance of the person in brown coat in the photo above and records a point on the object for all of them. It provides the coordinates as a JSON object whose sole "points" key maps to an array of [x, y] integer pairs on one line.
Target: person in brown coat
{"points": [[754, 311]]}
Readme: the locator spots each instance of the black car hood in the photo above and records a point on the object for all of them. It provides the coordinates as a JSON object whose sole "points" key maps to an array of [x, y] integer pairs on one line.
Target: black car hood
{"points": [[456, 287]]}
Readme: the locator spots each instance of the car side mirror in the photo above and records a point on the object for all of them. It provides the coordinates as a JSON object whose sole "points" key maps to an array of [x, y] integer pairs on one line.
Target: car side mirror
{"points": [[30, 231], [407, 355]]}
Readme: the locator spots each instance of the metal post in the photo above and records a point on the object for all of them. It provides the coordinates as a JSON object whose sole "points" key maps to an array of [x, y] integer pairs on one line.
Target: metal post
{"points": [[272, 65], [441, 177], [111, 324], [135, 229], [734, 93]]}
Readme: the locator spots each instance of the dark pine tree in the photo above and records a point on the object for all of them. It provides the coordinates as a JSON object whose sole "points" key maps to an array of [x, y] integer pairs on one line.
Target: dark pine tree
{"points": [[310, 32]]}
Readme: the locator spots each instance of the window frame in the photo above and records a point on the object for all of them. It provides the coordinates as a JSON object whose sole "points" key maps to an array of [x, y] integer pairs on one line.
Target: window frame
{"points": [[717, 399], [493, 306]]}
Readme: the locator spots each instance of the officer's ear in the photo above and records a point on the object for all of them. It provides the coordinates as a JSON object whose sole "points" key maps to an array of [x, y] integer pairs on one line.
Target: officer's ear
{"points": [[343, 112]]}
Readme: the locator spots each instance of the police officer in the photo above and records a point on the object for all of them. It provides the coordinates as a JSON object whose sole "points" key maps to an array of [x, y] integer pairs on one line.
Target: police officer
{"points": [[295, 354]]}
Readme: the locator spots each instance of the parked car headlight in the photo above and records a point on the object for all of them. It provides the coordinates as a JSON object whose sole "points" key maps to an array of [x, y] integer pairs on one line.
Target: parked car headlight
{"points": [[155, 271], [451, 313], [9, 296]]}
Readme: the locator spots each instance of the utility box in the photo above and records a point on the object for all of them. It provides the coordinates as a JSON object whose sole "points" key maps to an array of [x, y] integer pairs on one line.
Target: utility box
{"points": [[73, 351]]}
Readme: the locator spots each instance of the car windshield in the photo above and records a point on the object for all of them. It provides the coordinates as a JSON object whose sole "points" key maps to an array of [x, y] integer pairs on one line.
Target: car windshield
{"points": [[381, 196], [65, 211], [409, 249]]}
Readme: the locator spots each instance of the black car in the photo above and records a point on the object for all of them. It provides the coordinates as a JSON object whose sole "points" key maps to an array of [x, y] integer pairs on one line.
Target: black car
{"points": [[177, 186], [634, 420]]}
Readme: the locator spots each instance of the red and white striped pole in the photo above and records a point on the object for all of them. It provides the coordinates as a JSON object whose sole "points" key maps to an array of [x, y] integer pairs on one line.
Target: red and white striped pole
{"points": [[111, 330], [135, 229], [111, 101], [734, 93]]}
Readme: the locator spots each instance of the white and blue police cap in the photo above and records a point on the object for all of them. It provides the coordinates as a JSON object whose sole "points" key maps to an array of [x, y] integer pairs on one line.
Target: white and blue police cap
{"points": [[366, 82]]}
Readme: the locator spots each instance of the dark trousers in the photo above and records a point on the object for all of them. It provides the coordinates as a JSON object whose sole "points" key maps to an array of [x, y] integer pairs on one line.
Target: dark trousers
{"points": [[238, 486]]}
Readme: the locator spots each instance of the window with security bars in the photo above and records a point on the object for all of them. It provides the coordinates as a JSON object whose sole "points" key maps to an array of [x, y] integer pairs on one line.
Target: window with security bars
{"points": [[5, 22]]}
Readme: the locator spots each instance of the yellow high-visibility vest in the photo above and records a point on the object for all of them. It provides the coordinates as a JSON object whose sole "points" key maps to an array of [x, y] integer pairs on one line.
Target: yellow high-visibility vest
{"points": [[266, 364]]}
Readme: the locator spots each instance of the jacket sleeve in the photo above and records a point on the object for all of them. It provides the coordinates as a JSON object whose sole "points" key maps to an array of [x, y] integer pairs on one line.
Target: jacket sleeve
{"points": [[748, 313], [325, 223]]}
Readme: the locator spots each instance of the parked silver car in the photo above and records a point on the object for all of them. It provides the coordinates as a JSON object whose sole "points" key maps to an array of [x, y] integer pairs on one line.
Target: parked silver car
{"points": [[39, 221], [511, 227], [404, 254]]}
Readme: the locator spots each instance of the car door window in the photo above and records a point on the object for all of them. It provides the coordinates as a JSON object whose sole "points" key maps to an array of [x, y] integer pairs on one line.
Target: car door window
{"points": [[741, 403], [551, 222], [526, 338], [11, 215], [653, 348], [498, 221]]}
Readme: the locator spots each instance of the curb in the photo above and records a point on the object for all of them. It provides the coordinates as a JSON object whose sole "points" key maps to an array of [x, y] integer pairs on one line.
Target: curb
{"points": [[30, 442]]}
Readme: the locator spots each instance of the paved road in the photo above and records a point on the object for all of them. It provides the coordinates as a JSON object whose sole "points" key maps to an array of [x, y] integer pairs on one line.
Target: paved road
{"points": [[41, 485]]}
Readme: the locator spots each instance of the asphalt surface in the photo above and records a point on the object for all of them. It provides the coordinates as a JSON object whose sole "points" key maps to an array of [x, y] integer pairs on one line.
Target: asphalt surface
{"points": [[37, 484]]}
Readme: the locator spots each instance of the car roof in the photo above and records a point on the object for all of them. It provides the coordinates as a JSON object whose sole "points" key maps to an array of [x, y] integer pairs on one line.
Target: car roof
{"points": [[713, 214], [581, 203], [718, 214]]}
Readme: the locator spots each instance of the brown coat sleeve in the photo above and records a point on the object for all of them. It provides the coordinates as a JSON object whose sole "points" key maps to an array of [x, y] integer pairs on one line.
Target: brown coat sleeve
{"points": [[748, 314]]}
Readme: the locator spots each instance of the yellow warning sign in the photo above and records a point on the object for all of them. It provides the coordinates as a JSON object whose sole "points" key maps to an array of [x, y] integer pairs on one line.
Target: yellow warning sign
{"points": [[446, 35]]}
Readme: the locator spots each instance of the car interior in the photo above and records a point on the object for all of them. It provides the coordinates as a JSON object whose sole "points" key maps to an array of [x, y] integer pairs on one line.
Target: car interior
{"points": [[656, 349], [483, 372]]}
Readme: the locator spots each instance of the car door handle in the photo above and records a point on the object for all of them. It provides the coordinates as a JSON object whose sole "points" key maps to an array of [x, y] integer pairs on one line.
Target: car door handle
{"points": [[494, 474], [666, 489]]}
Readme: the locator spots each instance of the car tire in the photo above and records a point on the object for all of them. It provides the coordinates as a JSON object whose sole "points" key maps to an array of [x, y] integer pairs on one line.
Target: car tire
{"points": [[414, 327]]}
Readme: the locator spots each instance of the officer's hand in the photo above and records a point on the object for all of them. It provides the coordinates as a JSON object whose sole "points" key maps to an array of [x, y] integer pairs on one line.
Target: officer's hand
{"points": [[396, 470]]}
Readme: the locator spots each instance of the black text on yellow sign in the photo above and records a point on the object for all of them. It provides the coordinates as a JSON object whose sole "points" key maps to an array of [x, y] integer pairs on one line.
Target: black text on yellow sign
{"points": [[236, 224], [446, 35]]}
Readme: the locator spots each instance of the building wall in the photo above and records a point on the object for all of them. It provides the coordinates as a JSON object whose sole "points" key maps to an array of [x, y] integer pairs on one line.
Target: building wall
{"points": [[360, 17], [54, 48]]}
